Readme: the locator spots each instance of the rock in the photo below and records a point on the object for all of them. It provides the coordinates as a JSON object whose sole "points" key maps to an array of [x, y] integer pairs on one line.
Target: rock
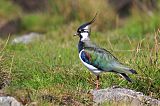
{"points": [[123, 7], [9, 101], [27, 38], [122, 95], [33, 5], [10, 27]]}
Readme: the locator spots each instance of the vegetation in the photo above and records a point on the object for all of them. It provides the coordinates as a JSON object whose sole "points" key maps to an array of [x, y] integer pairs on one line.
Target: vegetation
{"points": [[49, 71]]}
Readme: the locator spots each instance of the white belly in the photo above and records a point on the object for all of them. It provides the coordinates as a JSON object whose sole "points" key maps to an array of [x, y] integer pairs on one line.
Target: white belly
{"points": [[90, 67]]}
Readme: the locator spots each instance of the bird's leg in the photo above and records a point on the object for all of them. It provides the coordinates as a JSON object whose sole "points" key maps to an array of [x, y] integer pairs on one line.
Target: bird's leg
{"points": [[97, 82]]}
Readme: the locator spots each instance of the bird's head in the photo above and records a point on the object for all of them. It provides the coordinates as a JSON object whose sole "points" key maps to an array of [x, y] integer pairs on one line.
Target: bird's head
{"points": [[84, 30]]}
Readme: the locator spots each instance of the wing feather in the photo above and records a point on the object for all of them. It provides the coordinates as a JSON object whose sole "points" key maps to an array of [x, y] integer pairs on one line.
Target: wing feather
{"points": [[99, 58]]}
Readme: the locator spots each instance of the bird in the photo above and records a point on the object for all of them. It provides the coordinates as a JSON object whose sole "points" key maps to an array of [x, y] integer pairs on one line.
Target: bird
{"points": [[98, 59]]}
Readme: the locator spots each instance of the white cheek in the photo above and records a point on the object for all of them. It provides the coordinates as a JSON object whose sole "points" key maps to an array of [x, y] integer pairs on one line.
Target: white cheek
{"points": [[85, 36]]}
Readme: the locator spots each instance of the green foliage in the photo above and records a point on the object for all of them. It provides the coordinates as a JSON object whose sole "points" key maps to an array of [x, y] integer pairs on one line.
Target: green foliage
{"points": [[41, 22], [8, 10], [52, 66], [140, 24]]}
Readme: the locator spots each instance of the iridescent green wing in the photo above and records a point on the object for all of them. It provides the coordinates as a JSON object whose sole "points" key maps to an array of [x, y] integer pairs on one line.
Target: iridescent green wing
{"points": [[100, 58]]}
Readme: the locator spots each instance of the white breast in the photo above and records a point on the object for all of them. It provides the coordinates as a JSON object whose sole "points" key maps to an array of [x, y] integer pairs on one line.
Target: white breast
{"points": [[90, 67]]}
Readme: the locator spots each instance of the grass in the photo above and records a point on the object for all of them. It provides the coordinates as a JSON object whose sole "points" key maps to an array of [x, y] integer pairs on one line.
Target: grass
{"points": [[41, 22], [49, 67], [8, 11], [136, 25], [49, 71]]}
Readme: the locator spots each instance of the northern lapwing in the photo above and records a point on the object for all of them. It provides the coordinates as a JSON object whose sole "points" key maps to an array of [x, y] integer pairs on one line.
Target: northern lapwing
{"points": [[97, 59]]}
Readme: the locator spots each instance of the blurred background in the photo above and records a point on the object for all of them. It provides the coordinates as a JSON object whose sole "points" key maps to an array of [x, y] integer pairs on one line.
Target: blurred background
{"points": [[22, 16], [39, 58]]}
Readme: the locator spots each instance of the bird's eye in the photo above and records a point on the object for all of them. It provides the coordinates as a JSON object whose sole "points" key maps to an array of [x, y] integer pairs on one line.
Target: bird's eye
{"points": [[82, 30]]}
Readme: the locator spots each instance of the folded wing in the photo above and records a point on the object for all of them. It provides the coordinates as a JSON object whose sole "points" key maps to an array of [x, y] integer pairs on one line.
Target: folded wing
{"points": [[104, 60]]}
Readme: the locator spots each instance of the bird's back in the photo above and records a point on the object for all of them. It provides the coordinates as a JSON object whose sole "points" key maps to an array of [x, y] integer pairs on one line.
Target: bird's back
{"points": [[102, 59]]}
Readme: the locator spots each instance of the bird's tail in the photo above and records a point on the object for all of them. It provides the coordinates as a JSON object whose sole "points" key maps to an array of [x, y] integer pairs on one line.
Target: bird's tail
{"points": [[125, 77], [123, 71], [133, 71], [119, 68]]}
